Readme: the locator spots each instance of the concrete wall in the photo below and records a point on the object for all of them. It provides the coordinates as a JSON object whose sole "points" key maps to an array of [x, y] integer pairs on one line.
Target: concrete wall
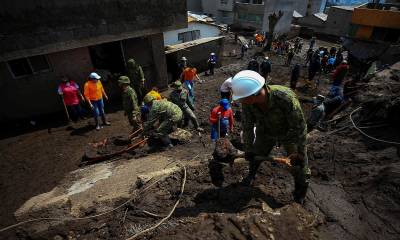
{"points": [[376, 18], [197, 55], [37, 94], [228, 6], [194, 5], [312, 22], [39, 27], [206, 30], [226, 17], [245, 12], [338, 22], [209, 7], [271, 6]]}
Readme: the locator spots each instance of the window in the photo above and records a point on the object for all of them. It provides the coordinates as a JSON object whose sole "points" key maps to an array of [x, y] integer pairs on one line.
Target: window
{"points": [[224, 1], [28, 66], [189, 36]]}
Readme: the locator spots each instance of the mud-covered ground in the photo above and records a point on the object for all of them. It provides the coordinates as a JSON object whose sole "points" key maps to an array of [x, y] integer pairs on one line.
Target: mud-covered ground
{"points": [[354, 192]]}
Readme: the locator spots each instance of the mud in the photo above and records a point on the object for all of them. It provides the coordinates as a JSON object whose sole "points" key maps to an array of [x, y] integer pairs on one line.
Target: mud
{"points": [[354, 191]]}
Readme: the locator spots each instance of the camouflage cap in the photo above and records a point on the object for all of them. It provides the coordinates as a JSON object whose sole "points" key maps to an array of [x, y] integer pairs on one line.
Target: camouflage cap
{"points": [[148, 98], [124, 79], [177, 84]]}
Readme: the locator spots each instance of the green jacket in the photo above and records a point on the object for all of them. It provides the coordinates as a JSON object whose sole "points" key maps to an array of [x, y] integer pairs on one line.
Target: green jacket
{"points": [[284, 120], [162, 110], [135, 73], [181, 99], [129, 101]]}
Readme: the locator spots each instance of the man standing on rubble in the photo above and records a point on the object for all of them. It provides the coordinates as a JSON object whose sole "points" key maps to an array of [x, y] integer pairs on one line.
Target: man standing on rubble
{"points": [[265, 67], [130, 103], [180, 97], [338, 77], [253, 65], [277, 115], [163, 118], [136, 76]]}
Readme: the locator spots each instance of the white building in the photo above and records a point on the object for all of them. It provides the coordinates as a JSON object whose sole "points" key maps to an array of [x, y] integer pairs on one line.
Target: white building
{"points": [[198, 27]]}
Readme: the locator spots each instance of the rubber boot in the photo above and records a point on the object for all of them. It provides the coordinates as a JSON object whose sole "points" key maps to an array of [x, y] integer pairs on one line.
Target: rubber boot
{"points": [[253, 167], [96, 122], [103, 118], [301, 183]]}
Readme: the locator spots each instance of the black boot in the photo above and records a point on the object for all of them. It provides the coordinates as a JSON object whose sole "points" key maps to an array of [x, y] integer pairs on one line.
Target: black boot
{"points": [[166, 141], [253, 167], [301, 181]]}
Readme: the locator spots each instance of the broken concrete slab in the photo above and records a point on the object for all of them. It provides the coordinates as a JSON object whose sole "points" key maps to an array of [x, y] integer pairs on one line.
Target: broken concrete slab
{"points": [[94, 187]]}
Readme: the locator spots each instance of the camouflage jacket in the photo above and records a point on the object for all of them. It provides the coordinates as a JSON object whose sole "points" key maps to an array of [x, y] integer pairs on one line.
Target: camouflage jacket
{"points": [[181, 99], [129, 101], [135, 74], [283, 121], [162, 110]]}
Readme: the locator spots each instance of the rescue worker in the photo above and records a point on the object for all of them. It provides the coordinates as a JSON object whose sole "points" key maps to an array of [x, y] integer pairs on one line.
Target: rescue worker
{"points": [[277, 115], [338, 77], [162, 119], [253, 65], [265, 67], [180, 97], [226, 88], [243, 50], [212, 61], [130, 102], [154, 92], [94, 94], [295, 76], [188, 77], [136, 76], [290, 56], [222, 113]]}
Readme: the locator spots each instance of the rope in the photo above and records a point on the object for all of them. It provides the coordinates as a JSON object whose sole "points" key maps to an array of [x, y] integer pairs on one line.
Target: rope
{"points": [[363, 133], [170, 213]]}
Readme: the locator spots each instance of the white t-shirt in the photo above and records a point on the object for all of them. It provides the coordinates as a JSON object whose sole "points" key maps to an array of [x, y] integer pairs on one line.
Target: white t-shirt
{"points": [[227, 85]]}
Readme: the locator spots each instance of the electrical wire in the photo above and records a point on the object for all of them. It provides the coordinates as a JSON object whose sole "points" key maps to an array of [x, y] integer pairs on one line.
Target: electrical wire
{"points": [[363, 133]]}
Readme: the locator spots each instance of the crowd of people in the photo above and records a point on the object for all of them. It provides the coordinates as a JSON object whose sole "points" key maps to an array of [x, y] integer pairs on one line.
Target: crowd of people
{"points": [[271, 114]]}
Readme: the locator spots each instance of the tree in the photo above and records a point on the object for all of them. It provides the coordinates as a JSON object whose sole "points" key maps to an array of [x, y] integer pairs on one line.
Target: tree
{"points": [[272, 21]]}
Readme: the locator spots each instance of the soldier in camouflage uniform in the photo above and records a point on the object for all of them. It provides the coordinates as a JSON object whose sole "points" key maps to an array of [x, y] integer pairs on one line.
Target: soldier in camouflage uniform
{"points": [[276, 113], [136, 75], [130, 103], [168, 115], [181, 98]]}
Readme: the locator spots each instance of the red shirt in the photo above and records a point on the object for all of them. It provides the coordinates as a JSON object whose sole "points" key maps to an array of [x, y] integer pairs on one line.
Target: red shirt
{"points": [[224, 114], [70, 91]]}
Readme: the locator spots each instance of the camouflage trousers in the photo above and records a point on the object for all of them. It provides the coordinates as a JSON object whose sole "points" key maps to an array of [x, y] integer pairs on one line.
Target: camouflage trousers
{"points": [[189, 115]]}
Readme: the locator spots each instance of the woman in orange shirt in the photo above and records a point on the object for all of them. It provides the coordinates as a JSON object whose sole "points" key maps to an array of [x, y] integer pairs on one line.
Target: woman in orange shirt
{"points": [[94, 93]]}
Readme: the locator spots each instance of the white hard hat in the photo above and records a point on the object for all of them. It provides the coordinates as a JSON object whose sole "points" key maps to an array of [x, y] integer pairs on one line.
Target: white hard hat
{"points": [[212, 53], [183, 58], [94, 75], [344, 61], [246, 83]]}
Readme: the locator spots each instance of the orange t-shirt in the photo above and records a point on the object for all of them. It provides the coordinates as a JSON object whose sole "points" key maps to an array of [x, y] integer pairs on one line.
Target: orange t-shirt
{"points": [[93, 91], [189, 74]]}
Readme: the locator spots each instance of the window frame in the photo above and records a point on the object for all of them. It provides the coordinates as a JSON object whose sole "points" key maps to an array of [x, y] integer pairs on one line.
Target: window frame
{"points": [[31, 67]]}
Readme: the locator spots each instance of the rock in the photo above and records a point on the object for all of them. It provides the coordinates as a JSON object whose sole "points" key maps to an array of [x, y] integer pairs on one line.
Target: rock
{"points": [[181, 136]]}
